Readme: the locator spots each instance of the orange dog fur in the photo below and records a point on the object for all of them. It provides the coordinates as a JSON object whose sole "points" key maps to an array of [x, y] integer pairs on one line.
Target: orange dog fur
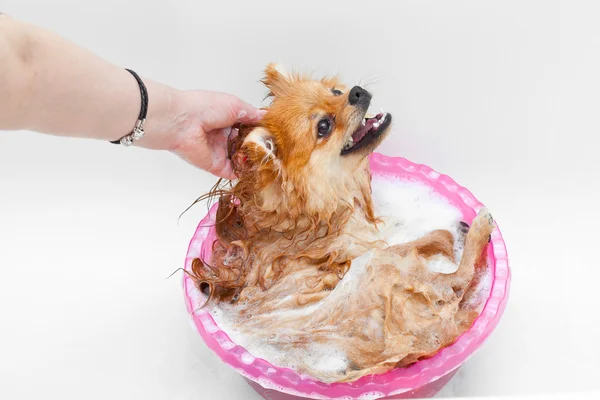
{"points": [[291, 229]]}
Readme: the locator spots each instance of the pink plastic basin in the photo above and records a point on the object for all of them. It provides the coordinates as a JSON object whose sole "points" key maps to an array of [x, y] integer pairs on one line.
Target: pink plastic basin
{"points": [[421, 380]]}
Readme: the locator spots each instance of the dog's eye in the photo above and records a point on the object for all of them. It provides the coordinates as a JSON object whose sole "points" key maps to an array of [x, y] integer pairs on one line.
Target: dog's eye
{"points": [[324, 127], [336, 92]]}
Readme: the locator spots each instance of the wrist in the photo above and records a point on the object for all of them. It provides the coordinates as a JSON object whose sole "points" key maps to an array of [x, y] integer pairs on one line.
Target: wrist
{"points": [[163, 120]]}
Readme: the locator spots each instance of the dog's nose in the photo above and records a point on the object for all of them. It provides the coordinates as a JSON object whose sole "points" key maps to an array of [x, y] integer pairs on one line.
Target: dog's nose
{"points": [[359, 96]]}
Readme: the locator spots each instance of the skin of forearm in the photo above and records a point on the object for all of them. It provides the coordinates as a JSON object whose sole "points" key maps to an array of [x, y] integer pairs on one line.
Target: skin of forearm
{"points": [[50, 85]]}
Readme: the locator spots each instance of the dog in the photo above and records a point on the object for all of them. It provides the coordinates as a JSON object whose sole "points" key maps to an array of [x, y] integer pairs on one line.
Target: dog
{"points": [[298, 261]]}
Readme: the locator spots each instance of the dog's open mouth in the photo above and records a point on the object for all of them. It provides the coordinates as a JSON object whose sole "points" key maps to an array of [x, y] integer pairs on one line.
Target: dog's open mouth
{"points": [[367, 133]]}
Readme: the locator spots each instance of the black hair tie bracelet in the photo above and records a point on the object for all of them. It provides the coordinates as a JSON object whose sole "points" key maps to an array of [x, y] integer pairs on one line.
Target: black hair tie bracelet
{"points": [[138, 130]]}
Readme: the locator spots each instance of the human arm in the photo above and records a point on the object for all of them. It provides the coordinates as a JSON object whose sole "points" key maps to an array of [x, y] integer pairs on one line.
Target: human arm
{"points": [[50, 85]]}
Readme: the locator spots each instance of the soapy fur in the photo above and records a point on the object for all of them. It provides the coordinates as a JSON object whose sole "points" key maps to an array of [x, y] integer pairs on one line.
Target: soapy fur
{"points": [[298, 233]]}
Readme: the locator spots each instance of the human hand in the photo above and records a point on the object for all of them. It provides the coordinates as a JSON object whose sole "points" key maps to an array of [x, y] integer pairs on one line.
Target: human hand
{"points": [[198, 127], [203, 139]]}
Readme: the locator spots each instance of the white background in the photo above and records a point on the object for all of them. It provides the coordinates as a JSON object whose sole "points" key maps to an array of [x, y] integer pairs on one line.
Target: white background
{"points": [[502, 96]]}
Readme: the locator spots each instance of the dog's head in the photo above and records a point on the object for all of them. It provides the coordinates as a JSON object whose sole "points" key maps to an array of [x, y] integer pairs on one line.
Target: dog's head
{"points": [[319, 121], [313, 142]]}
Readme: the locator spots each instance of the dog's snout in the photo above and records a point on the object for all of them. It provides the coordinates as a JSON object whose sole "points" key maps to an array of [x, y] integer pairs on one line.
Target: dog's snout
{"points": [[359, 96]]}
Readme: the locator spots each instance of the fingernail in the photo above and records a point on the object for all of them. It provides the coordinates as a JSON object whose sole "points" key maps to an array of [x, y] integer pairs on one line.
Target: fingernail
{"points": [[242, 114], [259, 114]]}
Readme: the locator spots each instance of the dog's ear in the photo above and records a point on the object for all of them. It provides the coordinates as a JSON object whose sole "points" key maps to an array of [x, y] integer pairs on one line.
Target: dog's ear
{"points": [[261, 149], [276, 80]]}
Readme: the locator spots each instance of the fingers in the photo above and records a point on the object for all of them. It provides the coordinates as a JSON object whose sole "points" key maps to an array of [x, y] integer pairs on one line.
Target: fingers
{"points": [[212, 161], [217, 144], [225, 172], [227, 110], [247, 114], [211, 154]]}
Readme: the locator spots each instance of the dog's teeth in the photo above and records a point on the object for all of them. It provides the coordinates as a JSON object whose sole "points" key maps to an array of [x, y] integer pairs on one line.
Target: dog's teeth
{"points": [[349, 143], [367, 115], [376, 125], [363, 122]]}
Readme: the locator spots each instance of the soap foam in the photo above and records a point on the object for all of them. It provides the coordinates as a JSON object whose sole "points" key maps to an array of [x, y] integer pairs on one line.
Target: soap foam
{"points": [[410, 210], [329, 359]]}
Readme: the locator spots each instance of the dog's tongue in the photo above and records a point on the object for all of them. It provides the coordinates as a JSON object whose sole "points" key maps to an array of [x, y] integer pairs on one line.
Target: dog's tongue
{"points": [[362, 131]]}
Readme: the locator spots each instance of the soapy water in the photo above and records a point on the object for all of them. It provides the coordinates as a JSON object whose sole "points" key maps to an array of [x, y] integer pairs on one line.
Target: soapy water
{"points": [[409, 210], [328, 358]]}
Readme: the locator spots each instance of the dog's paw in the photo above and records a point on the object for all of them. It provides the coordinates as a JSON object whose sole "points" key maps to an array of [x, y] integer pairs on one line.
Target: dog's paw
{"points": [[484, 213], [483, 223]]}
